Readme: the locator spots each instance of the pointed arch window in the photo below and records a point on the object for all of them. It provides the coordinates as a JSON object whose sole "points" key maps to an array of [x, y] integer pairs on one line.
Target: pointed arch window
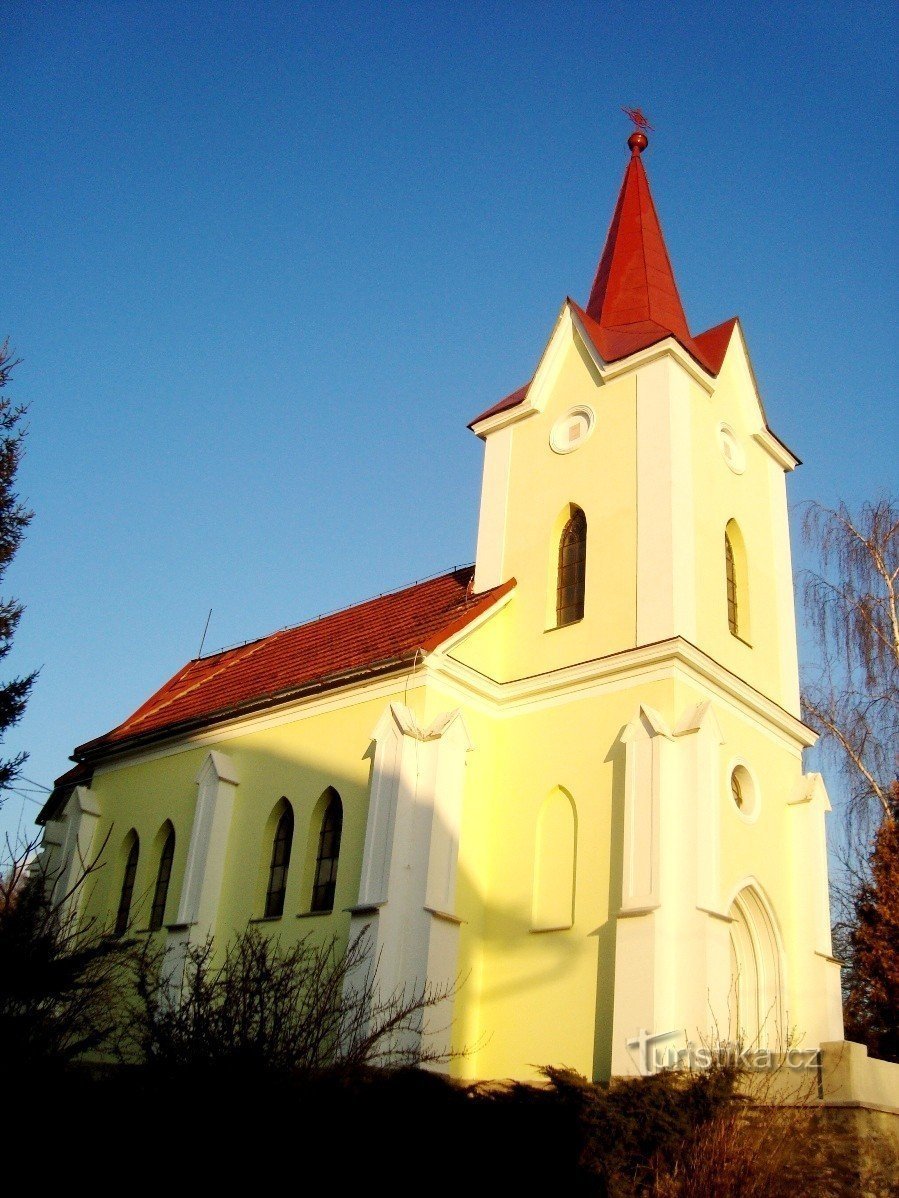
{"points": [[277, 875], [328, 854], [572, 570], [163, 877], [126, 894]]}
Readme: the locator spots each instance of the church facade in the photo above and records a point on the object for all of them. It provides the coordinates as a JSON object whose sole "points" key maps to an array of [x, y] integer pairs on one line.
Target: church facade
{"points": [[570, 776]]}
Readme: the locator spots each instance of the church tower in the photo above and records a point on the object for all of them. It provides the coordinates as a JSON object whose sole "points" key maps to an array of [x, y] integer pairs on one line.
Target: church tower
{"points": [[635, 492]]}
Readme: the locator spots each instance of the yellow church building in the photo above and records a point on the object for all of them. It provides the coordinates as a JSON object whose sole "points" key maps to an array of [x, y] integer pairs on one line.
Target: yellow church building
{"points": [[570, 775]]}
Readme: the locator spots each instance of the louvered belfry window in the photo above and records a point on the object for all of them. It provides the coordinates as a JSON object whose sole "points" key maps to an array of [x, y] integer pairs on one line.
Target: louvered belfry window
{"points": [[731, 570], [328, 855], [572, 570], [277, 876]]}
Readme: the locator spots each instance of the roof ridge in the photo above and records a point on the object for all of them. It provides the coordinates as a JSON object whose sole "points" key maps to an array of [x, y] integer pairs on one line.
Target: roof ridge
{"points": [[233, 656], [334, 611]]}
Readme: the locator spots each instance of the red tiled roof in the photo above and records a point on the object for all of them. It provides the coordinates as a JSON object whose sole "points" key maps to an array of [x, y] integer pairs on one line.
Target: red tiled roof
{"points": [[372, 636], [634, 302]]}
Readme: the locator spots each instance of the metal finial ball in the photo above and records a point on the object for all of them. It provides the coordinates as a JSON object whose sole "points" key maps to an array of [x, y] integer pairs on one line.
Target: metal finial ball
{"points": [[637, 142]]}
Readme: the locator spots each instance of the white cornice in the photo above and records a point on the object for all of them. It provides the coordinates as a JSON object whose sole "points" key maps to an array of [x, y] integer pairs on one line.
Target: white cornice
{"points": [[776, 449], [404, 680], [648, 662], [492, 424]]}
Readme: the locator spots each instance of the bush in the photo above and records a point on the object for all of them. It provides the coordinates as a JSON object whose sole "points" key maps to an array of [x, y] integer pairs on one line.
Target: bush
{"points": [[264, 1008]]}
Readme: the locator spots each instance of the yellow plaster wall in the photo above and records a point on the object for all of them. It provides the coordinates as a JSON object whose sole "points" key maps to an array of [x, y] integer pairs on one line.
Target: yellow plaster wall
{"points": [[598, 477], [546, 997], [297, 760]]}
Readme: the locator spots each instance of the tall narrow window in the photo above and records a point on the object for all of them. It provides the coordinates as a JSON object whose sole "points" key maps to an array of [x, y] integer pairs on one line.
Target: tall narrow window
{"points": [[733, 614], [328, 853], [277, 877], [572, 570], [124, 912], [161, 893]]}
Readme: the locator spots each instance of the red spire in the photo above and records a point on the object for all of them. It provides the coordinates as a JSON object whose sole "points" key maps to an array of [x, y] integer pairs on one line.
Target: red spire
{"points": [[635, 283], [634, 303]]}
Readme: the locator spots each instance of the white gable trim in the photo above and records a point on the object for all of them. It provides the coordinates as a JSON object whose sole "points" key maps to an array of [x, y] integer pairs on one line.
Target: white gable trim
{"points": [[568, 321], [776, 449], [668, 345]]}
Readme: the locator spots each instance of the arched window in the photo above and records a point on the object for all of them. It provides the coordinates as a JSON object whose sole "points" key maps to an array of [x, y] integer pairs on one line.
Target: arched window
{"points": [[328, 854], [736, 574], [161, 893], [733, 612], [124, 912], [277, 876], [572, 570]]}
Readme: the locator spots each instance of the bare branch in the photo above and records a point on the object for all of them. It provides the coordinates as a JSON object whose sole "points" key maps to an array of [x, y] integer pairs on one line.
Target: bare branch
{"points": [[851, 694]]}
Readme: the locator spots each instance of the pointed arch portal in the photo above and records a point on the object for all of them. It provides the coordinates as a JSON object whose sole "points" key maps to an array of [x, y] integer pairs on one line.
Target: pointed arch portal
{"points": [[756, 989]]}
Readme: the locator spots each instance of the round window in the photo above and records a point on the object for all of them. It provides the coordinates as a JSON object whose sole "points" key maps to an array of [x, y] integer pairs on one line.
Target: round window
{"points": [[731, 448], [744, 793], [572, 429]]}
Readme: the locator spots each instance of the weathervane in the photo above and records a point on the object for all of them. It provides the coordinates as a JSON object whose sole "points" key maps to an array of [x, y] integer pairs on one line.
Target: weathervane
{"points": [[638, 141]]}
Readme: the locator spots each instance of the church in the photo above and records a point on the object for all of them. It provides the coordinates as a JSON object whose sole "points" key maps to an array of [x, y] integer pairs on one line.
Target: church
{"points": [[566, 781]]}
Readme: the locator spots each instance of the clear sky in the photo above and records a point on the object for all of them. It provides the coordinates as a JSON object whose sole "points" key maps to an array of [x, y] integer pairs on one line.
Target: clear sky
{"points": [[264, 261]]}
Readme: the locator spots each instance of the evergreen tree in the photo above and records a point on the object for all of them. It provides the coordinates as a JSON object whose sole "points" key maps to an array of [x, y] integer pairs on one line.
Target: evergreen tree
{"points": [[872, 984], [14, 519]]}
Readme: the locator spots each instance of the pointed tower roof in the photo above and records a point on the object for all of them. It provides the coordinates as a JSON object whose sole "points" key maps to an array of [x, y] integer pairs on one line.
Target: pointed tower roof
{"points": [[634, 282], [634, 302]]}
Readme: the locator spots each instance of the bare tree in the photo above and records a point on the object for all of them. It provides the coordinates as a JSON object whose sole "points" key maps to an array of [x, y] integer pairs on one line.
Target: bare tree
{"points": [[851, 699], [851, 694]]}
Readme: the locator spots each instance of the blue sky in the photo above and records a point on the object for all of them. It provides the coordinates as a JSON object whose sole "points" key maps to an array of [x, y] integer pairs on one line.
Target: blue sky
{"points": [[264, 261]]}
